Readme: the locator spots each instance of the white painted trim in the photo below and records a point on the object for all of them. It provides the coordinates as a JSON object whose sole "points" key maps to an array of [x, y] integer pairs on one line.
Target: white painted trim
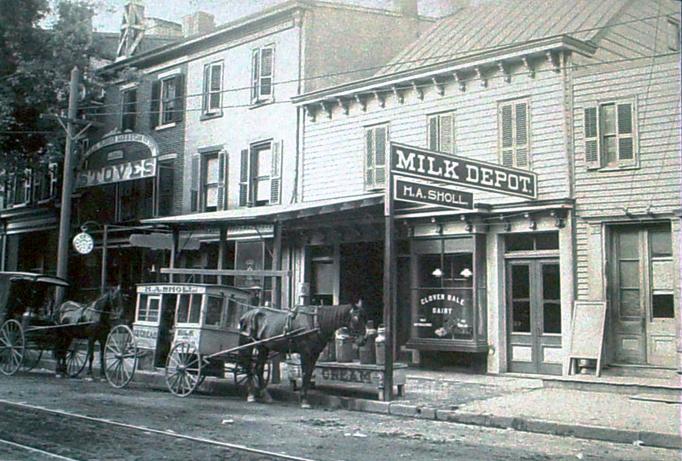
{"points": [[169, 73]]}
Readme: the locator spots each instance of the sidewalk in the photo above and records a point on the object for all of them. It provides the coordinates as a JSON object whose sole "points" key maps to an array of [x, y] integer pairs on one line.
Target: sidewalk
{"points": [[507, 402]]}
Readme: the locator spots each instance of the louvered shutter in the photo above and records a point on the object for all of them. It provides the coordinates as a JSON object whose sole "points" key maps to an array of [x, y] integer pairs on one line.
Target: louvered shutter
{"points": [[276, 174], [222, 174], [433, 132], [179, 106], [625, 139], [369, 158], [244, 178], [155, 104], [207, 86], [507, 135], [592, 158], [196, 181], [381, 136], [255, 73], [53, 174], [446, 133], [521, 116], [266, 68]]}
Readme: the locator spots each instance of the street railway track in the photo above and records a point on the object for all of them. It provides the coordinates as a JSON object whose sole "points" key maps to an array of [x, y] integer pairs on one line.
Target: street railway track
{"points": [[261, 454]]}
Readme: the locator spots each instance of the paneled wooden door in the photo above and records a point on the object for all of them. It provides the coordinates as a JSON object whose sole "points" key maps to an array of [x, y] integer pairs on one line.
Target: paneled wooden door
{"points": [[534, 313], [641, 291]]}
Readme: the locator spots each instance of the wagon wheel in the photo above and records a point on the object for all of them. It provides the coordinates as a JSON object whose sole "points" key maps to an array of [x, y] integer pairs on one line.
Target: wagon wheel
{"points": [[12, 344], [183, 369], [31, 359], [76, 357], [120, 356], [241, 374]]}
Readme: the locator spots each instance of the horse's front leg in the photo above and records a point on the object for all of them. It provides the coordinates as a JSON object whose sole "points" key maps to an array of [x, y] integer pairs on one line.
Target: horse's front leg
{"points": [[91, 357], [307, 367], [102, 375], [261, 360]]}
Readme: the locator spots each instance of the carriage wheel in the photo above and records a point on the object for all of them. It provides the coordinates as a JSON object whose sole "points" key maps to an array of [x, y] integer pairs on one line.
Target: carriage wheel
{"points": [[76, 358], [120, 356], [183, 369], [12, 345], [31, 359], [241, 374]]}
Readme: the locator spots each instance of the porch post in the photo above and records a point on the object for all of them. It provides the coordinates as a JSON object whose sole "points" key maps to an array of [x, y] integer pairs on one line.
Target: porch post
{"points": [[174, 251], [103, 273], [277, 265], [222, 246]]}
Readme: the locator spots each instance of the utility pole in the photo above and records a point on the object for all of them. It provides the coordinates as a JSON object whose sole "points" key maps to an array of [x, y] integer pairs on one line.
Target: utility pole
{"points": [[389, 279], [67, 182]]}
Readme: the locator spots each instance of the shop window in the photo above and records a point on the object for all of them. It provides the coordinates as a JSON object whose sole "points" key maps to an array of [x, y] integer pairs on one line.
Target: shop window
{"points": [[136, 199], [610, 135], [213, 82], [661, 243], [260, 175], [514, 129], [537, 241], [128, 109], [252, 256], [551, 299], [663, 306], [441, 134], [520, 284], [262, 69], [376, 152], [214, 311]]}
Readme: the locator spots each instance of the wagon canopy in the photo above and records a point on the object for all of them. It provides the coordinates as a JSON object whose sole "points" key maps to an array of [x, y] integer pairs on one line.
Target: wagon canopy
{"points": [[27, 286]]}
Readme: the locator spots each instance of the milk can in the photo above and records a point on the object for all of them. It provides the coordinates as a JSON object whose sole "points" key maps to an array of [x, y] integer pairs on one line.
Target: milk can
{"points": [[344, 346], [380, 345], [367, 350]]}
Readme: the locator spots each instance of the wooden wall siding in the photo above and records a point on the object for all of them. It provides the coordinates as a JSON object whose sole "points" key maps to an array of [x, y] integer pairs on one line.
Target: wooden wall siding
{"points": [[334, 148]]}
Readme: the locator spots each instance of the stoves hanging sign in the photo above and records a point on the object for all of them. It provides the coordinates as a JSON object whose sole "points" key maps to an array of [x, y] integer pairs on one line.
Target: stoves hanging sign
{"points": [[434, 166], [137, 169]]}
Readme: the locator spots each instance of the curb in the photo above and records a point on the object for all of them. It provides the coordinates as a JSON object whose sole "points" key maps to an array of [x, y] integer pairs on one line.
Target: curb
{"points": [[399, 409]]}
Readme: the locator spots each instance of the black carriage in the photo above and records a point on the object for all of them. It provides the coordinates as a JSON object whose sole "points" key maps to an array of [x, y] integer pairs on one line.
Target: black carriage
{"points": [[28, 319]]}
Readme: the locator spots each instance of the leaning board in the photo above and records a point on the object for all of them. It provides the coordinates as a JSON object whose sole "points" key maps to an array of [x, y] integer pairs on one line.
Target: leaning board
{"points": [[587, 331]]}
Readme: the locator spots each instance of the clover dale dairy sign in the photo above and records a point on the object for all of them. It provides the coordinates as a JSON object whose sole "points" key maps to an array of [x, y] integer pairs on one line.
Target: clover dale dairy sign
{"points": [[434, 166]]}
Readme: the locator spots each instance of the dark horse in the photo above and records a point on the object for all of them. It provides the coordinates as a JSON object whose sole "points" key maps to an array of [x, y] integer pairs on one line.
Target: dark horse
{"points": [[308, 331], [98, 317]]}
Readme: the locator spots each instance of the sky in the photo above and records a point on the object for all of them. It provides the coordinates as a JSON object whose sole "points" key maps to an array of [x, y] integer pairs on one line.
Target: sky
{"points": [[110, 12]]}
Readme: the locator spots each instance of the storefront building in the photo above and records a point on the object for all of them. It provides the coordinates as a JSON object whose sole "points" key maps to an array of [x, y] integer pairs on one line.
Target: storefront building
{"points": [[493, 284]]}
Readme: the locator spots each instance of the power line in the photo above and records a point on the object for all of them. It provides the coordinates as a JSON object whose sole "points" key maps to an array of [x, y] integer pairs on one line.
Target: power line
{"points": [[420, 86], [383, 66]]}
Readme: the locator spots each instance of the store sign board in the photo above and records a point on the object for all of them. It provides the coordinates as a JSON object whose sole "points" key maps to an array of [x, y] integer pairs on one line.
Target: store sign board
{"points": [[146, 336], [434, 166], [108, 174], [426, 194], [170, 289]]}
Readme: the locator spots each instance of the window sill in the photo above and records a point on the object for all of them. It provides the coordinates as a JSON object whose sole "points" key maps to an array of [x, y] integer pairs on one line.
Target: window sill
{"points": [[165, 127], [257, 104], [210, 115], [607, 169]]}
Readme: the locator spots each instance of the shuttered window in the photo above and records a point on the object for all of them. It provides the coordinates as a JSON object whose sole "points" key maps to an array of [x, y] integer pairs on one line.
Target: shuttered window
{"points": [[609, 131], [441, 133], [209, 173], [167, 104], [262, 72], [213, 81], [514, 133], [128, 109], [376, 145], [260, 181]]}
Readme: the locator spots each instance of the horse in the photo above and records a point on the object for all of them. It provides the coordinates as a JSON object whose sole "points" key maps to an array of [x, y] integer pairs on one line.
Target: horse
{"points": [[99, 316], [306, 330]]}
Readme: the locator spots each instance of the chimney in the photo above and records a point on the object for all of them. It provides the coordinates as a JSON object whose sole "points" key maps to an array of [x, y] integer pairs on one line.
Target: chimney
{"points": [[452, 6], [408, 8], [198, 23]]}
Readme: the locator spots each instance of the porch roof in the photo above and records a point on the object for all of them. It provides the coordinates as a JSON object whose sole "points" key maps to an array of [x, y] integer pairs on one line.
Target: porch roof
{"points": [[270, 214]]}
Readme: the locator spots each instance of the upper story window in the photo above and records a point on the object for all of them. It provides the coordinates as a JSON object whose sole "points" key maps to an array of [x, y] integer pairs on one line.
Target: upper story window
{"points": [[441, 135], [610, 135], [514, 129], [376, 148], [673, 35], [213, 82], [260, 175], [167, 102], [262, 69], [209, 170], [36, 185], [45, 182], [128, 109]]}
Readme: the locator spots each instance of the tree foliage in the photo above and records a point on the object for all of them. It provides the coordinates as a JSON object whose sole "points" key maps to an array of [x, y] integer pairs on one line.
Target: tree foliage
{"points": [[35, 66]]}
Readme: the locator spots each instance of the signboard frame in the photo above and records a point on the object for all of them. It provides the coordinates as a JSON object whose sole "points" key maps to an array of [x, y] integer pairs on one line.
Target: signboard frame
{"points": [[397, 180], [583, 336]]}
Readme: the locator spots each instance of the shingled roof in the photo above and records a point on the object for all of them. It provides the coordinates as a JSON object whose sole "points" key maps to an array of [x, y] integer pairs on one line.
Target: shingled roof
{"points": [[490, 24]]}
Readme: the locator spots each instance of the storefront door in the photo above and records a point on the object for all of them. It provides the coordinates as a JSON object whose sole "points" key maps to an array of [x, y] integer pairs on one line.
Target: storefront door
{"points": [[534, 312], [642, 295]]}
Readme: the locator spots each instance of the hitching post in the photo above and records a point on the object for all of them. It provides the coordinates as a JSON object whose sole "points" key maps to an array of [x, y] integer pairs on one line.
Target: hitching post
{"points": [[389, 278]]}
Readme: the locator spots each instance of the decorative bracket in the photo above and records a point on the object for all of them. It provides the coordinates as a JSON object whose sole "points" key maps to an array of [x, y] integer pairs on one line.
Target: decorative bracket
{"points": [[505, 71], [558, 219], [532, 224], [379, 97], [440, 88], [555, 61], [507, 224], [418, 90], [529, 66], [362, 102], [479, 74], [310, 112], [459, 81], [468, 225], [398, 94], [343, 104], [327, 108]]}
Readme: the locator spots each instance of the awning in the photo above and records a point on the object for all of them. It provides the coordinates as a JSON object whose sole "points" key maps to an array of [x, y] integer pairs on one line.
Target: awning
{"points": [[270, 214]]}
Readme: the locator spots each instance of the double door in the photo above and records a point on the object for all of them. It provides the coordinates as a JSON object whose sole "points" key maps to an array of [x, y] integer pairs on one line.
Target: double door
{"points": [[534, 313]]}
